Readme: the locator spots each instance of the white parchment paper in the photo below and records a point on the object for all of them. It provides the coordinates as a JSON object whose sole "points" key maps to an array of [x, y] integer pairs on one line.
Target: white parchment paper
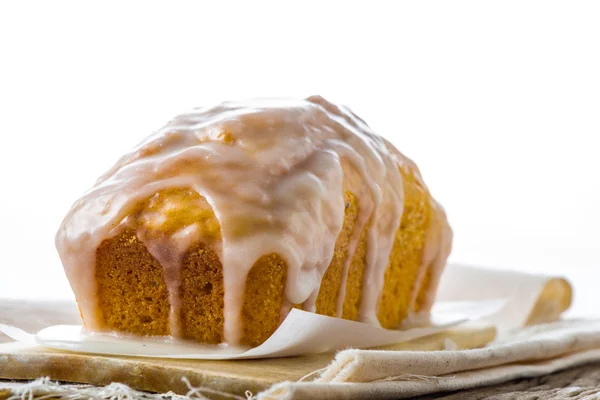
{"points": [[473, 284], [500, 297], [300, 333]]}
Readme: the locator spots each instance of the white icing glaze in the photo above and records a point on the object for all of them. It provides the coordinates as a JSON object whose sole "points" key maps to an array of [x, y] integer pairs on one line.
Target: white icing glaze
{"points": [[273, 172]]}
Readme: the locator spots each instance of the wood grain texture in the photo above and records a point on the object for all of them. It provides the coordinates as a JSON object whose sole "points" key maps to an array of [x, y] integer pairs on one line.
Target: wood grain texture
{"points": [[35, 315], [582, 383], [18, 361]]}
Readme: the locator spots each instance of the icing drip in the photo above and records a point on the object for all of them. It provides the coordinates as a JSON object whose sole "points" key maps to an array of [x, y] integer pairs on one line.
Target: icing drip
{"points": [[355, 183], [169, 253], [438, 263], [274, 173], [437, 249]]}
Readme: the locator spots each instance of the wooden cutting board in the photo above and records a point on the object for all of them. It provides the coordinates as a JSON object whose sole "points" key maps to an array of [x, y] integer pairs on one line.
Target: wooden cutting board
{"points": [[19, 361]]}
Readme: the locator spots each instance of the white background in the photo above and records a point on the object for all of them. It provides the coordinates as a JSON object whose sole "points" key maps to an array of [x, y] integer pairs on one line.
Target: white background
{"points": [[498, 102]]}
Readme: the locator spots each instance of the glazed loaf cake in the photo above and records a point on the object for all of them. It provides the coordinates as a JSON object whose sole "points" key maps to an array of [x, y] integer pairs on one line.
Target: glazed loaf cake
{"points": [[220, 223]]}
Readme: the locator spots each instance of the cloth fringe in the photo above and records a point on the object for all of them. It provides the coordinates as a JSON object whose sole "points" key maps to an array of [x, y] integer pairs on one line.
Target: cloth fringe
{"points": [[44, 388]]}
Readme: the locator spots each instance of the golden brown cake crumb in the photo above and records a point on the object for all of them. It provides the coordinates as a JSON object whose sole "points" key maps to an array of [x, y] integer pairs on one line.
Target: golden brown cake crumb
{"points": [[202, 295], [263, 298], [132, 295], [354, 281], [407, 253], [330, 284]]}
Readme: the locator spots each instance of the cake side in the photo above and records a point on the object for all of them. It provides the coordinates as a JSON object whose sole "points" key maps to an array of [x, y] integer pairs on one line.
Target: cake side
{"points": [[138, 285]]}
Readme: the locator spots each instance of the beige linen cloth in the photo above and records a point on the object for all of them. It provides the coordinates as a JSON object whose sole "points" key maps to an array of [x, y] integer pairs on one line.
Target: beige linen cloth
{"points": [[518, 352], [533, 351]]}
